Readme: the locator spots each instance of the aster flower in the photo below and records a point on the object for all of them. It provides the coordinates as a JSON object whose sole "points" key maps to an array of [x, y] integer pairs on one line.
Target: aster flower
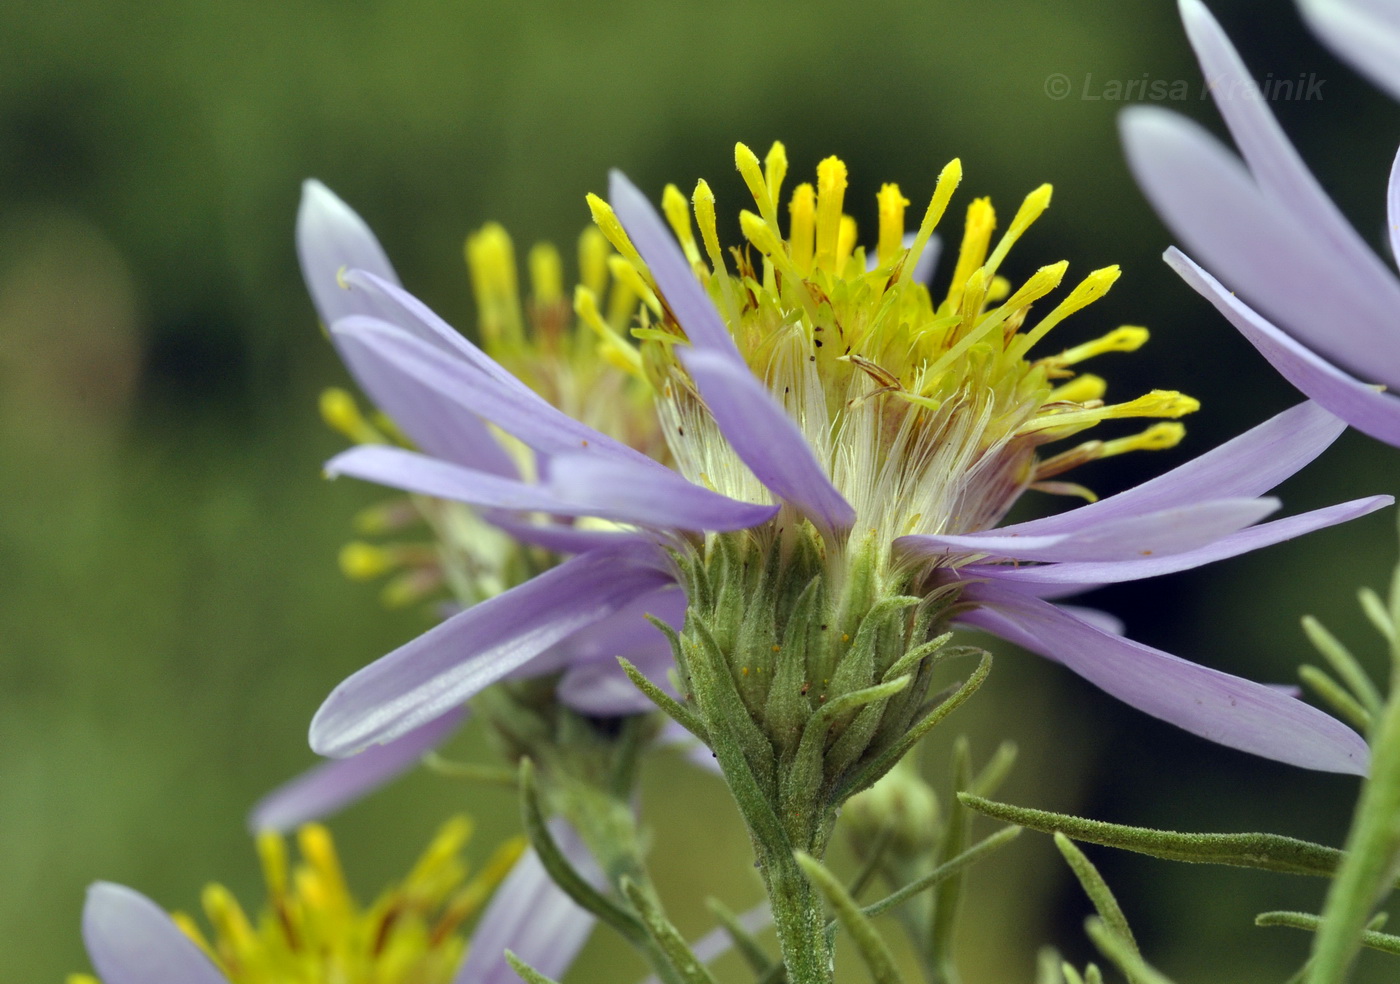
{"points": [[1313, 297], [313, 930], [863, 437], [480, 553]]}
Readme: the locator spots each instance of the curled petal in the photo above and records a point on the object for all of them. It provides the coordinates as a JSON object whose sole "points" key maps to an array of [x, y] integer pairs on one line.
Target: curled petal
{"points": [[1263, 247], [1217, 706], [1091, 574], [330, 786], [1244, 467], [332, 238], [479, 386], [766, 439], [1166, 531], [1365, 407], [1365, 33], [676, 281], [131, 940], [452, 662], [533, 918]]}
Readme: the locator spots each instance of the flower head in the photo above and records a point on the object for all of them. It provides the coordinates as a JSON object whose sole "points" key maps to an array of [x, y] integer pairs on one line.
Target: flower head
{"points": [[312, 928], [842, 445]]}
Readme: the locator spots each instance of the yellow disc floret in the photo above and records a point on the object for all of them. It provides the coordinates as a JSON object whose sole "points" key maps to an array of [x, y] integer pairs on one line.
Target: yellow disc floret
{"points": [[927, 412]]}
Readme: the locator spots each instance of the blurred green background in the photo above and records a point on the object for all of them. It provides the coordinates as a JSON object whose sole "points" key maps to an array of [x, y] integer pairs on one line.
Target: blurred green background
{"points": [[171, 612]]}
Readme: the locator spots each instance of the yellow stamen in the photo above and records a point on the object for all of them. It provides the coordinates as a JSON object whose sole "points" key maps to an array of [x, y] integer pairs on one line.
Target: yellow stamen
{"points": [[802, 228], [1081, 389], [342, 414], [1031, 209], [948, 180], [491, 260], [1089, 290], [677, 212], [891, 206], [593, 252], [747, 163], [546, 275], [611, 228], [775, 168], [831, 195], [361, 561], [625, 273], [612, 346], [977, 234], [1126, 338]]}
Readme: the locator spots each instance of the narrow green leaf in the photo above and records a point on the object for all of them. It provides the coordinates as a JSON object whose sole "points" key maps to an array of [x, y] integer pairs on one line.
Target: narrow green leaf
{"points": [[1047, 966], [957, 832], [1385, 942], [1271, 852], [527, 973], [1374, 608], [945, 870], [748, 946], [995, 771], [871, 946], [672, 708], [868, 776], [1097, 889], [1337, 696], [666, 937], [565, 875], [1126, 959], [1343, 663]]}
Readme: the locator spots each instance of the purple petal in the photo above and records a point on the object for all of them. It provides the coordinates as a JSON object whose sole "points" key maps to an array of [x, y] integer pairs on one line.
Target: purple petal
{"points": [[1244, 467], [561, 538], [1226, 709], [1392, 208], [1260, 246], [532, 917], [451, 662], [332, 238], [1093, 574], [766, 439], [580, 486], [332, 785], [670, 269], [1276, 166], [1364, 33], [648, 496], [627, 633], [414, 472], [131, 940], [600, 690], [1166, 531], [1364, 407], [479, 386]]}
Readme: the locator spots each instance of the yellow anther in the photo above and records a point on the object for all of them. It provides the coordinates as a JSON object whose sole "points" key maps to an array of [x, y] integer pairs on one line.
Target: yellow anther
{"points": [[977, 234], [491, 262], [1127, 338], [546, 275], [704, 203], [775, 168], [606, 220], [342, 414], [831, 195], [230, 923], [1158, 437], [625, 273], [1031, 209], [1157, 403], [845, 243], [410, 587], [891, 207], [747, 163], [802, 226], [361, 561], [948, 180], [1080, 389], [272, 854], [677, 211], [1089, 290], [593, 252], [323, 865], [611, 345], [439, 868]]}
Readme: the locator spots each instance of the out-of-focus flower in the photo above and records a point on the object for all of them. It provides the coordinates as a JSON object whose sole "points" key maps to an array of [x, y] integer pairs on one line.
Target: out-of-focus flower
{"points": [[864, 438], [1363, 32], [478, 553], [1310, 289], [312, 929]]}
